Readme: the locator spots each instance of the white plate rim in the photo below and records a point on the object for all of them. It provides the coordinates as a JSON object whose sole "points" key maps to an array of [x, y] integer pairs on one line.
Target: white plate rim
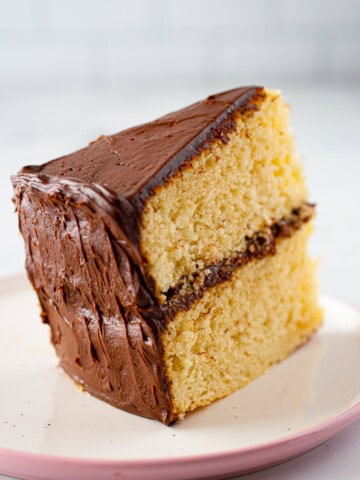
{"points": [[279, 450]]}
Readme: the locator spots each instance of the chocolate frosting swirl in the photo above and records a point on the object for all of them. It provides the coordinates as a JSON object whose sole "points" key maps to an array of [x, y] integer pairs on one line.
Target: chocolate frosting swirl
{"points": [[104, 322]]}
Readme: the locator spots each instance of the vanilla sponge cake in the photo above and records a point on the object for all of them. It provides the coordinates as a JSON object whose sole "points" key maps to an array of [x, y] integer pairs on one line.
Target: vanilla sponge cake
{"points": [[170, 259]]}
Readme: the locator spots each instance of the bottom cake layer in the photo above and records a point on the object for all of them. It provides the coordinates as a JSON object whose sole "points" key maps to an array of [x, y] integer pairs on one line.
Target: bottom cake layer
{"points": [[243, 326]]}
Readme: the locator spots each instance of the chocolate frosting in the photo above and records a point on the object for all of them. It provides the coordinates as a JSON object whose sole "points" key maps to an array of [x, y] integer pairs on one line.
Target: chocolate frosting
{"points": [[87, 277], [80, 217], [134, 162]]}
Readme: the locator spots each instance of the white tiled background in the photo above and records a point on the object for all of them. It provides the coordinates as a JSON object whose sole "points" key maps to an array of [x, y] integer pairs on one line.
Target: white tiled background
{"points": [[82, 43], [73, 69], [66, 43]]}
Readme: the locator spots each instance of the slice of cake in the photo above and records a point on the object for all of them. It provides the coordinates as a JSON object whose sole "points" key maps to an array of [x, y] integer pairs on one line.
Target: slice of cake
{"points": [[170, 259]]}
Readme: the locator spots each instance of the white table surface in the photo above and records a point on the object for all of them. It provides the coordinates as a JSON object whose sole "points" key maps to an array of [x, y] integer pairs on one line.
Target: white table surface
{"points": [[40, 126]]}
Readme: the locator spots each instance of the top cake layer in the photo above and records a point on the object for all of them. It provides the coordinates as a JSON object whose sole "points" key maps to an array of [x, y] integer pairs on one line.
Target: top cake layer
{"points": [[136, 160], [191, 188]]}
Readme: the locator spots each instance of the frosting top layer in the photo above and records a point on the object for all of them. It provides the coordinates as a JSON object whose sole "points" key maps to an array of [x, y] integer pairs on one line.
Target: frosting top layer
{"points": [[133, 162]]}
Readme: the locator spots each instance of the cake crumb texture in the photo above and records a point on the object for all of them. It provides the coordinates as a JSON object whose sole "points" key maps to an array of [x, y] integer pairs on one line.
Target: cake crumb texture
{"points": [[231, 190], [240, 328]]}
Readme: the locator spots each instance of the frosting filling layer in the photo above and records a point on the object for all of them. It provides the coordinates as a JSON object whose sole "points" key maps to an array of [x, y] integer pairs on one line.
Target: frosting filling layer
{"points": [[259, 245]]}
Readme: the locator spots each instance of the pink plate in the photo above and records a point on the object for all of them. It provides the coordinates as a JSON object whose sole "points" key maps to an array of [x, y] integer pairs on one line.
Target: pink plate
{"points": [[51, 430]]}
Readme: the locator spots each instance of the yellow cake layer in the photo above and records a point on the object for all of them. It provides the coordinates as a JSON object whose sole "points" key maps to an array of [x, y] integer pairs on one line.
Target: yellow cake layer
{"points": [[234, 189], [243, 326]]}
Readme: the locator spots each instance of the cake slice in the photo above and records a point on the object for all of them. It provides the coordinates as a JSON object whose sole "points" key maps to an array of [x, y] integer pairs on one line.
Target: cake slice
{"points": [[170, 260]]}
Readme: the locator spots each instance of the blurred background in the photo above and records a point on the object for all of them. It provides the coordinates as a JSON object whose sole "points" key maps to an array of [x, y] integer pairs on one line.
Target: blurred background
{"points": [[71, 70]]}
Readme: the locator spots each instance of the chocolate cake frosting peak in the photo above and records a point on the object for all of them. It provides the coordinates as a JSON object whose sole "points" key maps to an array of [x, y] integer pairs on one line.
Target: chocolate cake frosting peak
{"points": [[148, 154]]}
